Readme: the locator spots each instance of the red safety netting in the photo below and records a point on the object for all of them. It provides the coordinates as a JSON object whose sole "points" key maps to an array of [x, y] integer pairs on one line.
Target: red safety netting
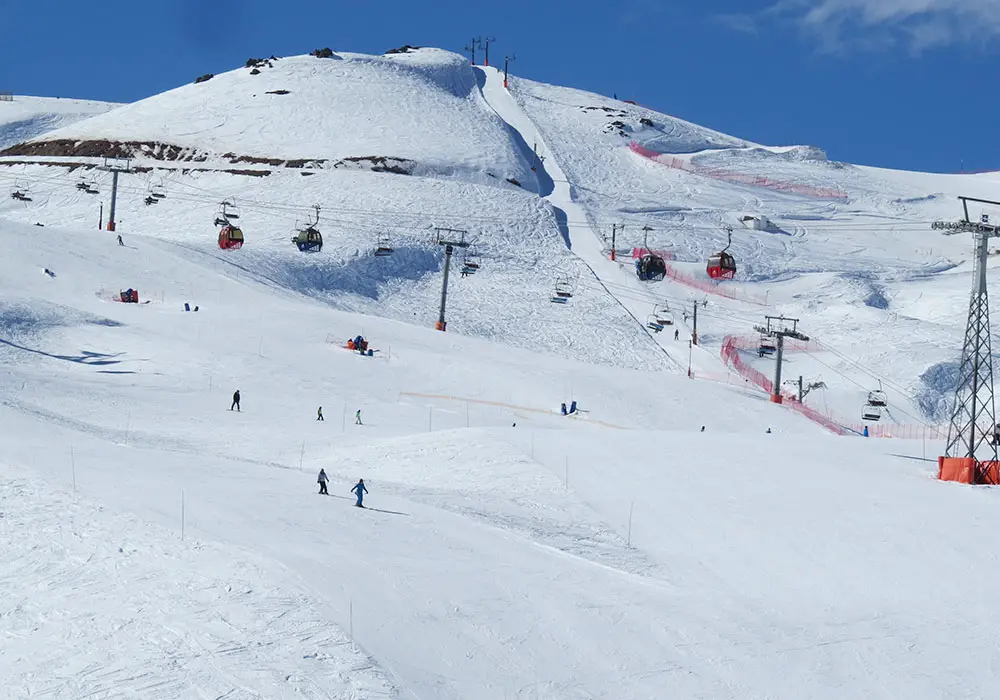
{"points": [[733, 345], [737, 177], [731, 357], [665, 254], [710, 287]]}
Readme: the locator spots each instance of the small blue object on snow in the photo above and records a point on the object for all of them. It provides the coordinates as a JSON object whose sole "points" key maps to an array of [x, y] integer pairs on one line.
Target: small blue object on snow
{"points": [[187, 306], [572, 407]]}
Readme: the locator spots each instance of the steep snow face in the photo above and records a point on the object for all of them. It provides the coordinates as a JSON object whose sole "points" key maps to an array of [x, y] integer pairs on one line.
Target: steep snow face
{"points": [[27, 118], [422, 106]]}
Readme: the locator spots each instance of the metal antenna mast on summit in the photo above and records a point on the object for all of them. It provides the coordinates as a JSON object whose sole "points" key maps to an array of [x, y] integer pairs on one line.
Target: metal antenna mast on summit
{"points": [[973, 417], [450, 238]]}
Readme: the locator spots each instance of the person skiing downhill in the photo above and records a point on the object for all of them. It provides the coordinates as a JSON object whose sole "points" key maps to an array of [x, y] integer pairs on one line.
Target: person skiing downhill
{"points": [[236, 401], [321, 480], [360, 490], [357, 418], [120, 241]]}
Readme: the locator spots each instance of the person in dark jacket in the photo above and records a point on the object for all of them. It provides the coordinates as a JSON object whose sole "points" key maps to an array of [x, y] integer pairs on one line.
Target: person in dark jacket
{"points": [[319, 413], [236, 401], [360, 490], [321, 480]]}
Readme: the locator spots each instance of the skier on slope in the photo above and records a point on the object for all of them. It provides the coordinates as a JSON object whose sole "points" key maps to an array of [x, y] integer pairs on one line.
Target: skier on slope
{"points": [[319, 413], [236, 401], [120, 241], [321, 480], [360, 490], [357, 418]]}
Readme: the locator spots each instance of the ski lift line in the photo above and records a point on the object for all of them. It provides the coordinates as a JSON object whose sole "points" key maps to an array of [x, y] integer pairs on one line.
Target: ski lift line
{"points": [[857, 365], [264, 205], [866, 389]]}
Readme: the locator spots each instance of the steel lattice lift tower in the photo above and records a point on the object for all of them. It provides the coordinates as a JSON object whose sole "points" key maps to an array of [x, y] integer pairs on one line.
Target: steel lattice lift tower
{"points": [[972, 431]]}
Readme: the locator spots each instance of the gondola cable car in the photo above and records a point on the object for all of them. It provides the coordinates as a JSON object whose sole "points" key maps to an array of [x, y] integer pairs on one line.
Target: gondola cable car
{"points": [[309, 239], [722, 265]]}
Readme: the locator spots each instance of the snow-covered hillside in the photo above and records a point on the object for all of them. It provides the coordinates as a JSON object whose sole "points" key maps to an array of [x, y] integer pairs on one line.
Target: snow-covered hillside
{"points": [[25, 118], [678, 532]]}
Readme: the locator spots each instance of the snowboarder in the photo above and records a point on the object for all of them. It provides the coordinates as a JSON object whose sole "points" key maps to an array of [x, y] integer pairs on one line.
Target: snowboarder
{"points": [[357, 418], [319, 413], [703, 428], [768, 431], [236, 401], [572, 407], [120, 241], [360, 490], [865, 432], [321, 480], [562, 408], [677, 333]]}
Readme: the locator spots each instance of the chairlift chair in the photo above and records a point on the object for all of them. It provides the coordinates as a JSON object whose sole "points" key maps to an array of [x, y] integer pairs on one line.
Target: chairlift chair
{"points": [[878, 397], [20, 192], [871, 413], [157, 191], [383, 245], [653, 323], [664, 316], [722, 265], [150, 199], [228, 210], [767, 346], [562, 291], [470, 263]]}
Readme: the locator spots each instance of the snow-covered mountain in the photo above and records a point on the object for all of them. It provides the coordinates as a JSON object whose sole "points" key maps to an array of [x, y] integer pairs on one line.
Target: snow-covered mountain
{"points": [[510, 551], [24, 118]]}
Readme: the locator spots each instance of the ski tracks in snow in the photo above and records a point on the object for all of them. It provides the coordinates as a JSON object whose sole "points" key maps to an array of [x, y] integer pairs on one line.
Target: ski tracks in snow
{"points": [[101, 605]]}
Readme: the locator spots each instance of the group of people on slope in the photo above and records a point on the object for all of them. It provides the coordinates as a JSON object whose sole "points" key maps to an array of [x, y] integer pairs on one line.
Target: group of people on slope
{"points": [[359, 488]]}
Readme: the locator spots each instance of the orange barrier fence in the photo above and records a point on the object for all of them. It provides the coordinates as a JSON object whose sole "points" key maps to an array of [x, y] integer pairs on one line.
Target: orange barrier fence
{"points": [[737, 177]]}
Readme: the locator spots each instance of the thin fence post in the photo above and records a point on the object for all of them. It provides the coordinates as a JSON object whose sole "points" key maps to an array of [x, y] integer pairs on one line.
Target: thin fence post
{"points": [[351, 620], [302, 453], [430, 419], [631, 506]]}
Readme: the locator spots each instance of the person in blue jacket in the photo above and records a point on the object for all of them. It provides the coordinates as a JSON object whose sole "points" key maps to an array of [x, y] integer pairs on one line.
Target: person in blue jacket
{"points": [[360, 490]]}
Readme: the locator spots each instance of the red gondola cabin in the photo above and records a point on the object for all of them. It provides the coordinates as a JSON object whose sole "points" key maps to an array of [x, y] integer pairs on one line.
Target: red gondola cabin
{"points": [[721, 266], [230, 238]]}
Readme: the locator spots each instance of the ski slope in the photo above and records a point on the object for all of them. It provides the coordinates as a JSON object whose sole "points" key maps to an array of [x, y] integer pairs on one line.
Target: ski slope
{"points": [[25, 117], [680, 534], [557, 558]]}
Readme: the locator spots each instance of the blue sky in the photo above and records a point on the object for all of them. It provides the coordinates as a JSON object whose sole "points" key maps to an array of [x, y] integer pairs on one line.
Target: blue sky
{"points": [[895, 83]]}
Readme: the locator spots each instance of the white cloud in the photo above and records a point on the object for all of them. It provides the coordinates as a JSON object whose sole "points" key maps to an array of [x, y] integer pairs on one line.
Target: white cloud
{"points": [[919, 24]]}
